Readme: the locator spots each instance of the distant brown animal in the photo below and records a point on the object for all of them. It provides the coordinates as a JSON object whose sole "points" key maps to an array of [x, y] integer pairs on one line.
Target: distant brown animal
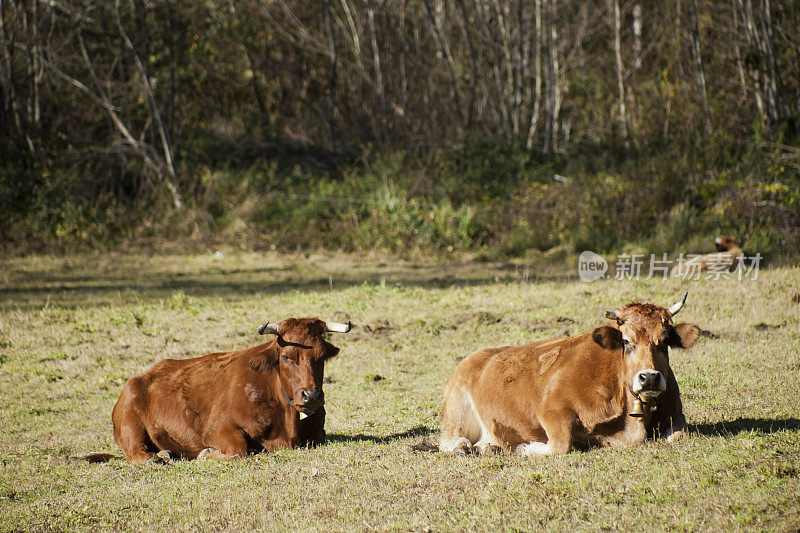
{"points": [[612, 386], [227, 404], [728, 257]]}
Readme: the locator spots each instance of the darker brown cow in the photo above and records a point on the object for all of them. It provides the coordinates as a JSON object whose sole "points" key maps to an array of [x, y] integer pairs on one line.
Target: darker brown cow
{"points": [[612, 386], [227, 404]]}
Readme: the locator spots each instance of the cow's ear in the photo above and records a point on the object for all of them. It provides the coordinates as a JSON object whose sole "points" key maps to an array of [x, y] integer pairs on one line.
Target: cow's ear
{"points": [[330, 350], [608, 337], [683, 335], [264, 360]]}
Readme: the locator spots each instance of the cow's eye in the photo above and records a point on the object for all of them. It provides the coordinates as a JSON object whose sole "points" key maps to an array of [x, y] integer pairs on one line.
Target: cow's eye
{"points": [[285, 358], [626, 343]]}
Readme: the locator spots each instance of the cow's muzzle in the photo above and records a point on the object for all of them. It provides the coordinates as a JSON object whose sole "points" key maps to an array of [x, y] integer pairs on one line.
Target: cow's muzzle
{"points": [[647, 386], [310, 400]]}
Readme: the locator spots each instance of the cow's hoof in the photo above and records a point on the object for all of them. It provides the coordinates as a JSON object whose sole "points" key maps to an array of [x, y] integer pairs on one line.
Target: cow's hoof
{"points": [[534, 448], [485, 448], [462, 450], [163, 457], [490, 449], [206, 453], [675, 436]]}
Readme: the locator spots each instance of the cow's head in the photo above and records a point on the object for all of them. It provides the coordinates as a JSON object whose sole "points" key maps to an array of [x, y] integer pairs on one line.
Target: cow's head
{"points": [[301, 351], [725, 243], [643, 333]]}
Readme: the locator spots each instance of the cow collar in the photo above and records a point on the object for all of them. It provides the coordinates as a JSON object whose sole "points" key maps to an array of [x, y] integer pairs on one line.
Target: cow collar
{"points": [[640, 407], [289, 401]]}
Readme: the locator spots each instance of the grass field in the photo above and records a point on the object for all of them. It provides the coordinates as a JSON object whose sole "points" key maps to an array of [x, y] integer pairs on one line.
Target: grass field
{"points": [[74, 328]]}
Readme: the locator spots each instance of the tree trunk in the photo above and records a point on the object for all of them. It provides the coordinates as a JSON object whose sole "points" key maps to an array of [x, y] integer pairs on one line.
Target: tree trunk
{"points": [[537, 73], [623, 118], [701, 77], [637, 36], [473, 67], [755, 70], [737, 52], [332, 74], [501, 107], [376, 61], [171, 187], [445, 52], [553, 94], [771, 68]]}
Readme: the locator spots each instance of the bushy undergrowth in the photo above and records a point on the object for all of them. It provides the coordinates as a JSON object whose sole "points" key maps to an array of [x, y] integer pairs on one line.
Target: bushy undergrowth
{"points": [[494, 201]]}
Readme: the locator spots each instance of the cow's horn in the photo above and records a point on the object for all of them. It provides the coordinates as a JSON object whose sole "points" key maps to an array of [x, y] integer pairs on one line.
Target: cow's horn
{"points": [[612, 315], [268, 329], [338, 327], [677, 306]]}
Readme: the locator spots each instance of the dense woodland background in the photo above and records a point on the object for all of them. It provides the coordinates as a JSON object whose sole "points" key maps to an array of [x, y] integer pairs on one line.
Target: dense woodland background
{"points": [[407, 125]]}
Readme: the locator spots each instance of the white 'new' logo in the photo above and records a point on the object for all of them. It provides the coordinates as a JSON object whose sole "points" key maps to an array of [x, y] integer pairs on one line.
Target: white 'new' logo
{"points": [[591, 266]]}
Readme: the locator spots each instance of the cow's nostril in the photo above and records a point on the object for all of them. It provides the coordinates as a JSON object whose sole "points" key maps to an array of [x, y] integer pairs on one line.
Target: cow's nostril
{"points": [[310, 396], [643, 378]]}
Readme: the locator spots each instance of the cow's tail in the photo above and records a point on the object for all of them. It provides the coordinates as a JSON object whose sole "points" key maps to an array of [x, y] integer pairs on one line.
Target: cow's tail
{"points": [[94, 458]]}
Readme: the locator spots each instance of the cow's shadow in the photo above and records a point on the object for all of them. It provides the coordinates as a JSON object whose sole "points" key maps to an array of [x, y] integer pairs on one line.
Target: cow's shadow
{"points": [[418, 431], [742, 425]]}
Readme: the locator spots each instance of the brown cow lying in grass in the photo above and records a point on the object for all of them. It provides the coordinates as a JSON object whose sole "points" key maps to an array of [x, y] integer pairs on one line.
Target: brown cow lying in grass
{"points": [[225, 405], [728, 257], [612, 386]]}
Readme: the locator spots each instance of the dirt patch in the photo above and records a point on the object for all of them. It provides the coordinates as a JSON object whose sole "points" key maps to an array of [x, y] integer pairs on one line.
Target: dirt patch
{"points": [[541, 325], [425, 446], [481, 317], [339, 316], [708, 334], [380, 328], [763, 326]]}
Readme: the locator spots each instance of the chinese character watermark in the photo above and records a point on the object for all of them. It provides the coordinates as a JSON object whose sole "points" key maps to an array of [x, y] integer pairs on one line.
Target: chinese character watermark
{"points": [[717, 266]]}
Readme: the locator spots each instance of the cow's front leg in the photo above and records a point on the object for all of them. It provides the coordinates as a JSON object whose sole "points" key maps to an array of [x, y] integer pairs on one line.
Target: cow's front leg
{"points": [[280, 443], [669, 421], [311, 430], [558, 426], [455, 445], [225, 444], [673, 428]]}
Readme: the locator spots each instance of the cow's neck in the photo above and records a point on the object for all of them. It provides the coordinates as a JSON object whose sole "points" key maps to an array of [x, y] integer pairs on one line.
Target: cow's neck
{"points": [[617, 427], [633, 428], [291, 409], [291, 414]]}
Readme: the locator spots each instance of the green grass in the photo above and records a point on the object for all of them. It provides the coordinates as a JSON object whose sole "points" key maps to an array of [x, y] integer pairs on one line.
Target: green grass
{"points": [[74, 328]]}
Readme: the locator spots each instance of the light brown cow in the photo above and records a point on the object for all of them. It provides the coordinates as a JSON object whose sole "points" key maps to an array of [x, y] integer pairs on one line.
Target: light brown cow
{"points": [[227, 404], [612, 386], [728, 257]]}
